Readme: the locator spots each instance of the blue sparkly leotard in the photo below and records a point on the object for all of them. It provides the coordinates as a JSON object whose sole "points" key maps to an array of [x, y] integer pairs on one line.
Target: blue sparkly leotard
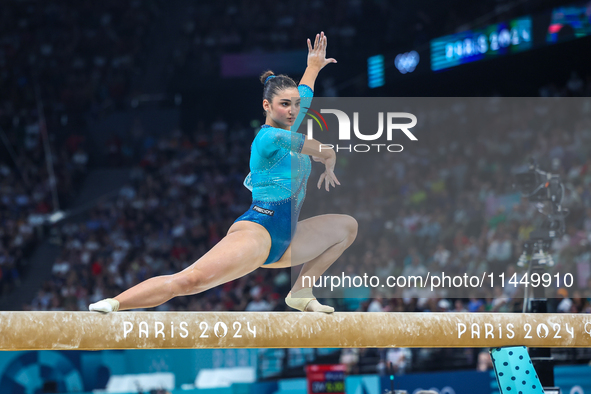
{"points": [[277, 179]]}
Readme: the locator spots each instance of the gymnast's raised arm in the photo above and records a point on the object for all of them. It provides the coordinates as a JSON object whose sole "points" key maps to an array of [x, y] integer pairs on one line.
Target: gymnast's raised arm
{"points": [[327, 156]]}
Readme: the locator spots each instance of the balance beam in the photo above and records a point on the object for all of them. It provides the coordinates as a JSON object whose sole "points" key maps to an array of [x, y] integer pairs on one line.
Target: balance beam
{"points": [[183, 330]]}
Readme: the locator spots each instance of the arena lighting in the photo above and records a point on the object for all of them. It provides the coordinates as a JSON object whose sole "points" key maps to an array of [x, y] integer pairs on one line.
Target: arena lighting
{"points": [[183, 330], [375, 71]]}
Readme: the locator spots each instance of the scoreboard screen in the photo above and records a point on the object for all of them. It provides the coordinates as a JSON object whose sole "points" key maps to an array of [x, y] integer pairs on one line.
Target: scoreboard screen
{"points": [[326, 379], [473, 45], [570, 22]]}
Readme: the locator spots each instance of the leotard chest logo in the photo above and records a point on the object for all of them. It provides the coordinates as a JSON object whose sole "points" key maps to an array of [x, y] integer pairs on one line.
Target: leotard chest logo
{"points": [[263, 210]]}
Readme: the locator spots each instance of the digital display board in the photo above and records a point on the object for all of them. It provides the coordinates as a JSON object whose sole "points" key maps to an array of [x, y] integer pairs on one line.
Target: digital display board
{"points": [[326, 379], [488, 42], [569, 22]]}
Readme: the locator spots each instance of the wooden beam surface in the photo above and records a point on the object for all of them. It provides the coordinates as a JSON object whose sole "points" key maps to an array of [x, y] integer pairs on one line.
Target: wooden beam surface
{"points": [[168, 330]]}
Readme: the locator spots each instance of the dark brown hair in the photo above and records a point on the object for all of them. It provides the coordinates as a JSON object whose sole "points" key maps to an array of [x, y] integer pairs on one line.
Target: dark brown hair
{"points": [[274, 85]]}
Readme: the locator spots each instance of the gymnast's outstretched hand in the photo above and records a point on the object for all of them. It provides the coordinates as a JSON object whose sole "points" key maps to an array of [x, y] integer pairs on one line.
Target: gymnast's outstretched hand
{"points": [[317, 54], [328, 175]]}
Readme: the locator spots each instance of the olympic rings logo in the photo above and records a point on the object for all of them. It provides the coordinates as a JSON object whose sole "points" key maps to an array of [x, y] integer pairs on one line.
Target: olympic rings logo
{"points": [[407, 62]]}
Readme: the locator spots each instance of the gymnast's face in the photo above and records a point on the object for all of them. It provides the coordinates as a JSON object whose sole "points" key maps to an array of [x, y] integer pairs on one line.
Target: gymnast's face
{"points": [[283, 109]]}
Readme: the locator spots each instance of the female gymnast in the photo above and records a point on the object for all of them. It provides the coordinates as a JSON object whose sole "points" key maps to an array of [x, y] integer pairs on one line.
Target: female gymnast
{"points": [[268, 234]]}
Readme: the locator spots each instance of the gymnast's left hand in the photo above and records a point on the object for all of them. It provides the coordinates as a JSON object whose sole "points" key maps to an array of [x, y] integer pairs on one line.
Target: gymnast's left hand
{"points": [[317, 54], [328, 175]]}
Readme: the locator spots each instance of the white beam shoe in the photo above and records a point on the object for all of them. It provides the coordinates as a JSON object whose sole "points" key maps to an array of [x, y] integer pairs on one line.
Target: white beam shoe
{"points": [[107, 305], [303, 300]]}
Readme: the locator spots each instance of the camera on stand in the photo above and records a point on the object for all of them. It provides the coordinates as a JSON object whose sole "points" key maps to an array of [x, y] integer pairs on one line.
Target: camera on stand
{"points": [[546, 191]]}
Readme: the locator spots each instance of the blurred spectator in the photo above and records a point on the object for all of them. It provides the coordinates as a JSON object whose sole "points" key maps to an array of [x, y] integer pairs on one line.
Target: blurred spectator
{"points": [[566, 304], [376, 305], [484, 361], [258, 303], [441, 256], [476, 305], [350, 358], [459, 306], [395, 359], [443, 305]]}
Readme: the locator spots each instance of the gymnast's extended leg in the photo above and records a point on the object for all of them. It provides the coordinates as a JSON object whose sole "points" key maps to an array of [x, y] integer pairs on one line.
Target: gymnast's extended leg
{"points": [[317, 243], [244, 249]]}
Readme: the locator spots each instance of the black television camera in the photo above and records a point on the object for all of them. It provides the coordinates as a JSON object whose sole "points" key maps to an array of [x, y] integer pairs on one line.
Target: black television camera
{"points": [[539, 186]]}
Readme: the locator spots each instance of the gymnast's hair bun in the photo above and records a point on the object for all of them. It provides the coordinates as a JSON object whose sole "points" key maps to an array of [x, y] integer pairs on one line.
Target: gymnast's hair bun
{"points": [[266, 75]]}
